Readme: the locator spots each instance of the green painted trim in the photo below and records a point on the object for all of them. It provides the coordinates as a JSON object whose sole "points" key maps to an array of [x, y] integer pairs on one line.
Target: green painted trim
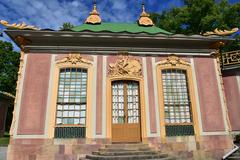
{"points": [[181, 130], [120, 28], [70, 132]]}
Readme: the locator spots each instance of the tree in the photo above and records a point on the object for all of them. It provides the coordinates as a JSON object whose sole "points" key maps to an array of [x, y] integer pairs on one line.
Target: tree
{"points": [[9, 63], [199, 16], [66, 26]]}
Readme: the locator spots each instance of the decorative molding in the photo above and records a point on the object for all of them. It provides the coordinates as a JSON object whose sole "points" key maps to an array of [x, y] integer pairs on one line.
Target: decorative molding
{"points": [[221, 32], [222, 95], [73, 59], [20, 26], [20, 75], [125, 66], [173, 60], [22, 41]]}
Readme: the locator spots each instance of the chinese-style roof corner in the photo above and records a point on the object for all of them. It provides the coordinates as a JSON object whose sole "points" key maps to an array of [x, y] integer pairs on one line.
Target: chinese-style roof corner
{"points": [[145, 19], [94, 17]]}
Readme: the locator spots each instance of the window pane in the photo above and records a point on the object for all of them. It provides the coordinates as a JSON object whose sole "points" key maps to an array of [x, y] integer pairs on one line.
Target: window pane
{"points": [[176, 96], [72, 92]]}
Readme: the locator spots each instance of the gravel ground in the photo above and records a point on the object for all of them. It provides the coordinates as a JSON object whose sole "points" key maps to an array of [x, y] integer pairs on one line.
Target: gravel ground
{"points": [[3, 153]]}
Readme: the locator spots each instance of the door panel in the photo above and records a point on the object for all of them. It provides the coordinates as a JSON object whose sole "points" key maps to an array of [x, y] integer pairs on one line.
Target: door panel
{"points": [[125, 112]]}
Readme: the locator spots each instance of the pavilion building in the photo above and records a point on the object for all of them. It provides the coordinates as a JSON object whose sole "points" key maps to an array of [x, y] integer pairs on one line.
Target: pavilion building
{"points": [[100, 83]]}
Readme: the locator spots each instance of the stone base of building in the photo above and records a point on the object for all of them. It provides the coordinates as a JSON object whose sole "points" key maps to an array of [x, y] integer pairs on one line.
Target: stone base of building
{"points": [[187, 148]]}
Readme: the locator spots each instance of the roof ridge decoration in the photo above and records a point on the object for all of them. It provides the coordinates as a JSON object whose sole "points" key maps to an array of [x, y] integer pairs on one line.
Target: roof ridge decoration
{"points": [[145, 19], [221, 32], [20, 26], [94, 17]]}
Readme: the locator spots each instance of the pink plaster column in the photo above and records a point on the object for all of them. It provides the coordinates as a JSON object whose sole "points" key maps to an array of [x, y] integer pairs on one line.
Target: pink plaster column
{"points": [[233, 99], [151, 102], [99, 95], [209, 97], [34, 96]]}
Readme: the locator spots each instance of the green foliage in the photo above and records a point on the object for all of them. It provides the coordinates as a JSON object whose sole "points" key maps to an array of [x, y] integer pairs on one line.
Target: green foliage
{"points": [[237, 139], [9, 63], [199, 16], [66, 26], [4, 141]]}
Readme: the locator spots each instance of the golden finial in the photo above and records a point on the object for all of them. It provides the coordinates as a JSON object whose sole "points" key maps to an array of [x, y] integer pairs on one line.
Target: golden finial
{"points": [[94, 17], [145, 19]]}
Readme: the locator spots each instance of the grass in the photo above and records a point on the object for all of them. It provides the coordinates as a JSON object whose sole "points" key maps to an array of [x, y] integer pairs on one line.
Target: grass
{"points": [[4, 141]]}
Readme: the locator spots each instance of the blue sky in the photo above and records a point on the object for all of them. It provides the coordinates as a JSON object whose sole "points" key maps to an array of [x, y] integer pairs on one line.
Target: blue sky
{"points": [[52, 13]]}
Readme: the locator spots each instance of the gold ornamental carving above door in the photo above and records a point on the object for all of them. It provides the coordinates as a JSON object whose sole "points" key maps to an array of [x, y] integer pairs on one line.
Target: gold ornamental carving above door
{"points": [[125, 66]]}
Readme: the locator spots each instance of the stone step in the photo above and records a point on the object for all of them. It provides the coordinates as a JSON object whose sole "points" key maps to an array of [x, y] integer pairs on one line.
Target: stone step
{"points": [[123, 150], [125, 153], [126, 157], [166, 158], [131, 145]]}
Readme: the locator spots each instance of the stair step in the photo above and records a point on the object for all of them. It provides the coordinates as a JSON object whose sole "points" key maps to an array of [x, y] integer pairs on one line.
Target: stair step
{"points": [[124, 149], [126, 157], [125, 153], [134, 145], [166, 158]]}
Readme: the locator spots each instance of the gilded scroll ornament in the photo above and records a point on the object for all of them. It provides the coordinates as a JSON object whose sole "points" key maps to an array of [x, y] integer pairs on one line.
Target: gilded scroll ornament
{"points": [[125, 66], [94, 17], [221, 32], [145, 19], [74, 59], [174, 61], [18, 26]]}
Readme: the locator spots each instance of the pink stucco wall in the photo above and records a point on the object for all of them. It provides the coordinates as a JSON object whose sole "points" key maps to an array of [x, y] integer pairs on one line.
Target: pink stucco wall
{"points": [[233, 99], [99, 95], [151, 97], [210, 104], [34, 96]]}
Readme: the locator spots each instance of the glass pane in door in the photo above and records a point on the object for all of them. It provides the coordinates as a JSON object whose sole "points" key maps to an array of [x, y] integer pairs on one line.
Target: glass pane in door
{"points": [[118, 102], [132, 102]]}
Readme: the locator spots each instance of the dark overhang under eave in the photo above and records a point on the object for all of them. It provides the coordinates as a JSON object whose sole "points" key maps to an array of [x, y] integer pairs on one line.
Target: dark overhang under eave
{"points": [[58, 39]]}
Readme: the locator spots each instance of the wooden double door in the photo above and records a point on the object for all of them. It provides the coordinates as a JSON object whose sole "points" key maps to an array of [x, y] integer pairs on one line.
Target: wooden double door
{"points": [[126, 118]]}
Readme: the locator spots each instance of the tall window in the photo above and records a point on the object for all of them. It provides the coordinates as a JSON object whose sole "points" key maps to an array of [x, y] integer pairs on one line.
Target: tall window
{"points": [[177, 103], [72, 92]]}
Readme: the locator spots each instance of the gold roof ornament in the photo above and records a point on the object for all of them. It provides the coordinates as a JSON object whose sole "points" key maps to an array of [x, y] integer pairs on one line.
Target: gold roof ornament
{"points": [[145, 19], [94, 17], [22, 25], [221, 32]]}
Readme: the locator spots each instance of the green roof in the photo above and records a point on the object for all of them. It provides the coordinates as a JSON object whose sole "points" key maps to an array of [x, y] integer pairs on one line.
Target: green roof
{"points": [[120, 28]]}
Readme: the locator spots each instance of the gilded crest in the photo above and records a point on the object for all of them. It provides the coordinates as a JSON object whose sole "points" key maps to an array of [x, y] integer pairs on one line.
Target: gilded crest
{"points": [[173, 61], [22, 25], [74, 59], [221, 32], [125, 66]]}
